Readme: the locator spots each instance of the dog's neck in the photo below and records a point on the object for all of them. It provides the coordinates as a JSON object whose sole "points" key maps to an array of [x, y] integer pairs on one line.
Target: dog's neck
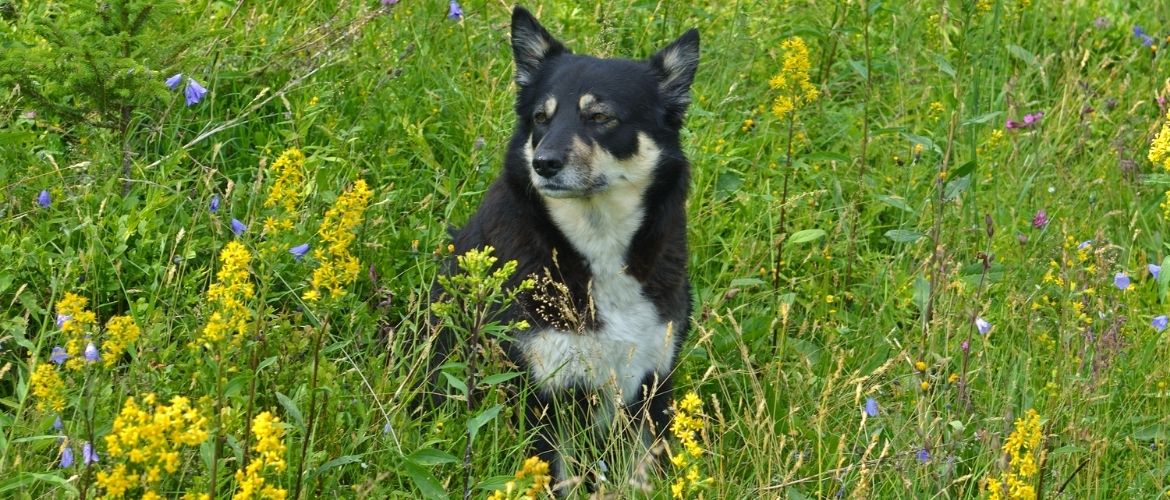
{"points": [[600, 227]]}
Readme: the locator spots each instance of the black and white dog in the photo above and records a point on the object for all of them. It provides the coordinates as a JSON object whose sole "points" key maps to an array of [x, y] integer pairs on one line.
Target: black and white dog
{"points": [[592, 204]]}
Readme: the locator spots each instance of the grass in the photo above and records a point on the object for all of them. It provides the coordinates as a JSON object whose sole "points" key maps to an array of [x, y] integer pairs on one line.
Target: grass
{"points": [[869, 289]]}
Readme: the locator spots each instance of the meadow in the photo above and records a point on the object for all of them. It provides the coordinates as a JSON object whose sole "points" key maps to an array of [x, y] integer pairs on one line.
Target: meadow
{"points": [[926, 247]]}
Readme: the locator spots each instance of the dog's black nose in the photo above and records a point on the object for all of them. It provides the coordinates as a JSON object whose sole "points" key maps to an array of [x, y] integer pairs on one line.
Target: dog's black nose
{"points": [[547, 166]]}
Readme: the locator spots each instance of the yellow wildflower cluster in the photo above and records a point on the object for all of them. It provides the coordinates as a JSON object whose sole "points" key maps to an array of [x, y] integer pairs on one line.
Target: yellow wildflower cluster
{"points": [[534, 471], [338, 267], [1165, 206], [120, 332], [270, 449], [144, 444], [75, 321], [1160, 148], [1021, 447], [793, 80], [286, 191], [47, 387], [687, 424], [228, 295]]}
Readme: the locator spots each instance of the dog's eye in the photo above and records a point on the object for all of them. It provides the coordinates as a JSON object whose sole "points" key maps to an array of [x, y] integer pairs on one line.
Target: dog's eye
{"points": [[540, 117], [600, 118]]}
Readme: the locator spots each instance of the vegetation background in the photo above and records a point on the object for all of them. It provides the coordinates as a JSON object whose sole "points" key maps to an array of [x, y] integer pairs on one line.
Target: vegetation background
{"points": [[938, 278]]}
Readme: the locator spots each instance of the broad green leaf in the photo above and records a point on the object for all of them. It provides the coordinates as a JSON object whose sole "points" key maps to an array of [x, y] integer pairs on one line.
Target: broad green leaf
{"points": [[904, 235], [806, 235]]}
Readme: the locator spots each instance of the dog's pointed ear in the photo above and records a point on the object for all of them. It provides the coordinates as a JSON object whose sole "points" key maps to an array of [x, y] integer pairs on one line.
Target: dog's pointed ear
{"points": [[532, 45], [676, 65]]}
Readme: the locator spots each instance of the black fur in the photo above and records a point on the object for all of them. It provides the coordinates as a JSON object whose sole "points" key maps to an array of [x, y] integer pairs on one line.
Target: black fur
{"points": [[648, 97]]}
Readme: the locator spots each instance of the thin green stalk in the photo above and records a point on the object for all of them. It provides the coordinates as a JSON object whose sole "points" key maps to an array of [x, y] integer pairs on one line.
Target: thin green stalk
{"points": [[309, 422]]}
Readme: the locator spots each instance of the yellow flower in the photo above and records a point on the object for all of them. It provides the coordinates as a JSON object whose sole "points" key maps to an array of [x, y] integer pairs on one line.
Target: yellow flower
{"points": [[688, 422], [920, 365], [48, 388], [76, 321], [338, 267], [270, 449], [143, 443], [1160, 147], [120, 332], [229, 294], [1021, 447], [290, 177], [792, 82]]}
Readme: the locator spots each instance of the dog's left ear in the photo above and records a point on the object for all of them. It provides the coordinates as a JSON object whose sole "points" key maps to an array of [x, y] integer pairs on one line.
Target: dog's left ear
{"points": [[676, 65]]}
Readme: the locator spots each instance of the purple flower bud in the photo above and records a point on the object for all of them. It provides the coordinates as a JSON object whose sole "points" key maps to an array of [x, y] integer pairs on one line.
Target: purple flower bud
{"points": [[1138, 31], [454, 11], [871, 407], [1031, 119], [66, 455], [299, 251], [386, 428], [214, 207], [62, 319], [238, 227], [174, 81], [965, 346], [57, 425], [194, 92], [1160, 323], [982, 325], [91, 353], [1121, 281], [923, 455], [1155, 270], [44, 199], [58, 355], [1011, 124], [388, 3], [1085, 244], [1040, 219], [88, 456]]}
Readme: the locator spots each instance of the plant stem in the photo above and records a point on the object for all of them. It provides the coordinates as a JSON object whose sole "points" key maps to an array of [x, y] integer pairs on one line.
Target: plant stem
{"points": [[218, 424], [855, 211], [309, 422]]}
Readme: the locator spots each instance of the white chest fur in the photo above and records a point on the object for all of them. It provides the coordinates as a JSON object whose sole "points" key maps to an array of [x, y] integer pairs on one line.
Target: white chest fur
{"points": [[632, 342]]}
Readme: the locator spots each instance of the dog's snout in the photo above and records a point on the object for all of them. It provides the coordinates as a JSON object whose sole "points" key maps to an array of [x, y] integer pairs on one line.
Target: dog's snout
{"points": [[547, 165]]}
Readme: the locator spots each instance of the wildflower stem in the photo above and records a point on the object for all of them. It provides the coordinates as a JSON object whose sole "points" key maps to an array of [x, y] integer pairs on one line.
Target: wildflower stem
{"points": [[309, 422], [855, 212], [936, 256], [476, 326], [218, 423], [784, 201]]}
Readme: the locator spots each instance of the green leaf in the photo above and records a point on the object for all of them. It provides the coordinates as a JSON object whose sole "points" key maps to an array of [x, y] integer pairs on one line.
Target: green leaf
{"points": [[825, 156], [956, 188], [499, 378], [1164, 278], [806, 235], [859, 68], [337, 462], [291, 409], [903, 235], [963, 170], [1022, 54], [22, 482], [744, 282], [944, 66], [454, 381], [727, 183], [431, 456], [424, 481], [896, 202], [981, 119], [478, 421]]}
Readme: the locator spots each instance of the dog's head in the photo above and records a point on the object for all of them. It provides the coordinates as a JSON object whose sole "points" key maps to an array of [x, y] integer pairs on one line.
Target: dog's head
{"points": [[592, 124]]}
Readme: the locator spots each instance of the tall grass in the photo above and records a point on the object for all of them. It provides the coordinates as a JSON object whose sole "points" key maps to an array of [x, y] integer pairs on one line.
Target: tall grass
{"points": [[851, 269]]}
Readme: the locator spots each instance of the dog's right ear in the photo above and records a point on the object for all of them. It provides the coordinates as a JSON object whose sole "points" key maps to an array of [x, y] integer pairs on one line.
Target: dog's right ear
{"points": [[532, 45]]}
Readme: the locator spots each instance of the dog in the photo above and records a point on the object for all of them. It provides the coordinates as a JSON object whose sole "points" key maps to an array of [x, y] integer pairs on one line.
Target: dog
{"points": [[592, 204]]}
